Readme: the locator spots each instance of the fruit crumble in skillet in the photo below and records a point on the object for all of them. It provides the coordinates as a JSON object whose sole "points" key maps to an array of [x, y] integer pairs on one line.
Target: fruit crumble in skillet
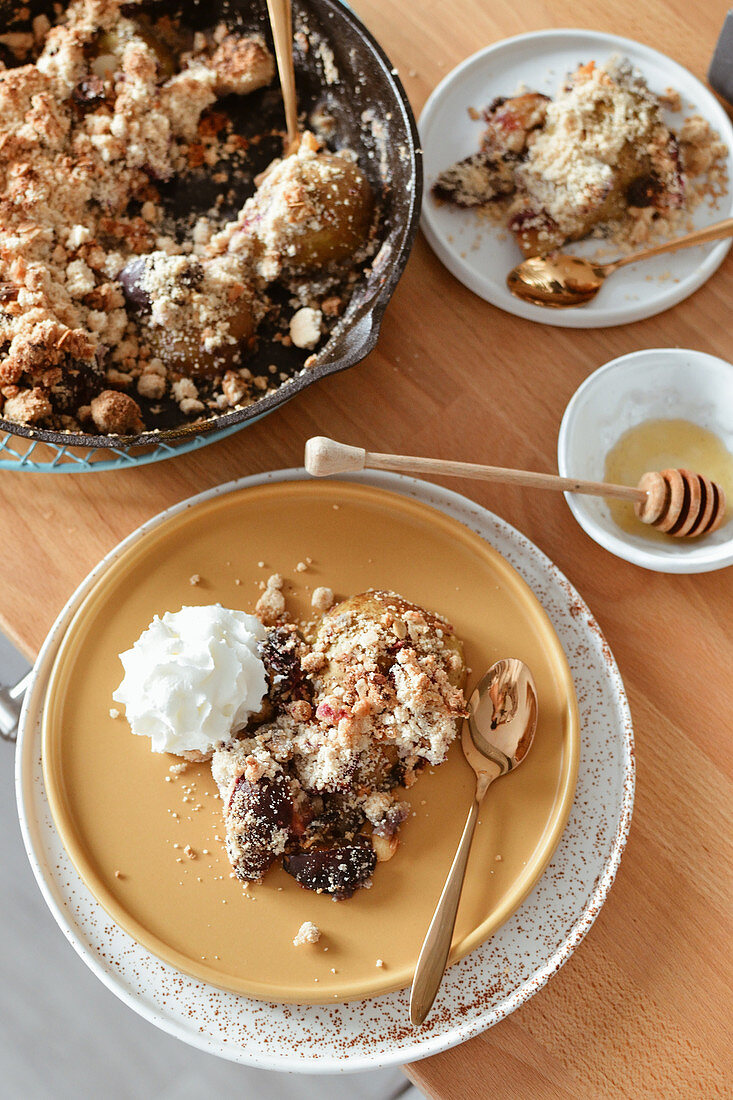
{"points": [[111, 306]]}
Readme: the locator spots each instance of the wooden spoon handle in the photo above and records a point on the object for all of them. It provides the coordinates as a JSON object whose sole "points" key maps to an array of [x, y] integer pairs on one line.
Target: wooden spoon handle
{"points": [[434, 952], [281, 21], [715, 232]]}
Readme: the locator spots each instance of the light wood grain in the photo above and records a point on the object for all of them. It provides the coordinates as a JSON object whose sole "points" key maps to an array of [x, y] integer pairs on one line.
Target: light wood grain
{"points": [[643, 1008]]}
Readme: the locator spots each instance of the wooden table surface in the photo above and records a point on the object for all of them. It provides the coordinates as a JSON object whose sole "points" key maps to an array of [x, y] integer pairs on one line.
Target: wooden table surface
{"points": [[643, 1008]]}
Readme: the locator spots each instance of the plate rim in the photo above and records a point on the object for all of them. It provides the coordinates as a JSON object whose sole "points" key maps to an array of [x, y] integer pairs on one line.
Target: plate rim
{"points": [[670, 295], [331, 1062], [65, 823]]}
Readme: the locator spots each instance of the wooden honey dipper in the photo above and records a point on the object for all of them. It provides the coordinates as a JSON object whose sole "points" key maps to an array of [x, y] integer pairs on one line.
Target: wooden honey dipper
{"points": [[678, 502]]}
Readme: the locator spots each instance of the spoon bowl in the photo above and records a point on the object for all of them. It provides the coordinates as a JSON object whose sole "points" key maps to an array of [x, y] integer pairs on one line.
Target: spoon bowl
{"points": [[502, 718], [560, 281], [557, 281], [497, 735]]}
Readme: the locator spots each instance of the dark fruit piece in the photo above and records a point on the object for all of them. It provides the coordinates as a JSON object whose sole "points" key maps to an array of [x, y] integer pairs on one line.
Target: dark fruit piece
{"points": [[337, 871], [330, 204], [193, 276], [644, 190], [130, 279], [338, 820], [257, 812], [89, 93], [285, 676], [393, 818], [510, 121], [536, 232], [8, 292]]}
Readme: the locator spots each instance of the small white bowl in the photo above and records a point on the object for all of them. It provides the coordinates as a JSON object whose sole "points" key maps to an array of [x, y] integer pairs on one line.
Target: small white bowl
{"points": [[659, 383]]}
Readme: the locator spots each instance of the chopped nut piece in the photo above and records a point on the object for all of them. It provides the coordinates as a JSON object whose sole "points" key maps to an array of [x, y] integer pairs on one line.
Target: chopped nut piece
{"points": [[384, 846]]}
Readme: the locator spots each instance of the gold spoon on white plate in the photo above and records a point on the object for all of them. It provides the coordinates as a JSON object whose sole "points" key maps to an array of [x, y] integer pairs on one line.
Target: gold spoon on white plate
{"points": [[559, 281]]}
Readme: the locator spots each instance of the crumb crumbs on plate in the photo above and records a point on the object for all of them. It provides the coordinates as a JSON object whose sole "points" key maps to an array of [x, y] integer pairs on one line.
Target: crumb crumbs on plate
{"points": [[307, 933]]}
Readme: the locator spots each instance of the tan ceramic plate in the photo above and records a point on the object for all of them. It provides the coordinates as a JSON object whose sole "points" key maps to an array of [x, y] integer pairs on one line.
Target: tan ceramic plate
{"points": [[117, 810]]}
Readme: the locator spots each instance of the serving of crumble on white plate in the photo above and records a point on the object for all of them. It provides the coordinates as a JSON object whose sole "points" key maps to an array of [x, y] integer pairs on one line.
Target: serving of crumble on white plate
{"points": [[480, 251]]}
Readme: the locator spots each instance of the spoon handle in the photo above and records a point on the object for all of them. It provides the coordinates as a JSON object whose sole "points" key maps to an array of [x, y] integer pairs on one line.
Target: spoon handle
{"points": [[281, 21], [715, 232], [434, 952]]}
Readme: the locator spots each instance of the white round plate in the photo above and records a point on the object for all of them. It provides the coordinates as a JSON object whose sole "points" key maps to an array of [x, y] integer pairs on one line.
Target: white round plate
{"points": [[478, 991], [654, 384], [482, 255]]}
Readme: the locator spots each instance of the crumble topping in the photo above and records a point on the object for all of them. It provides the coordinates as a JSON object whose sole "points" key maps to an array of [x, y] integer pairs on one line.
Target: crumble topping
{"points": [[307, 933], [271, 604], [322, 599], [356, 713], [305, 327], [111, 307]]}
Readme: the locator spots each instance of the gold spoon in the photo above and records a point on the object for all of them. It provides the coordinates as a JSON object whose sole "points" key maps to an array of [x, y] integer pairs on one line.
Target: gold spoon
{"points": [[281, 21], [560, 281], [497, 735]]}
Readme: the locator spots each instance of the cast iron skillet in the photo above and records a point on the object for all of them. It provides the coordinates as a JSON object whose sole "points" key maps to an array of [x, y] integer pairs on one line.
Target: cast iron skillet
{"points": [[368, 88]]}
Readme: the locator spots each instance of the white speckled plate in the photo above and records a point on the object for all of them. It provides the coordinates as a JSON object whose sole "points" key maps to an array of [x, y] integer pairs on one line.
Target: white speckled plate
{"points": [[480, 254], [478, 991]]}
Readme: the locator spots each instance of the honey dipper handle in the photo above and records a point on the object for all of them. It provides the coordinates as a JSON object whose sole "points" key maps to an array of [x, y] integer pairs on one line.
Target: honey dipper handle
{"points": [[405, 464], [324, 456]]}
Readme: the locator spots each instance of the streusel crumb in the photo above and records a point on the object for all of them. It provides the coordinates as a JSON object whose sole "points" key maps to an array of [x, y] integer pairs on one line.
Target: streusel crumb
{"points": [[271, 604], [307, 933], [322, 599]]}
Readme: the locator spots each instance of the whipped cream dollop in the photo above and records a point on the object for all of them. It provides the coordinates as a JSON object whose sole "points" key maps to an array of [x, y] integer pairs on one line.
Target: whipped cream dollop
{"points": [[193, 678]]}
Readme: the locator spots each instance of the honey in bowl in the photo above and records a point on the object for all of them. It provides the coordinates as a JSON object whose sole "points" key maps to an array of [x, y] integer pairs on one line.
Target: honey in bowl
{"points": [[659, 445]]}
